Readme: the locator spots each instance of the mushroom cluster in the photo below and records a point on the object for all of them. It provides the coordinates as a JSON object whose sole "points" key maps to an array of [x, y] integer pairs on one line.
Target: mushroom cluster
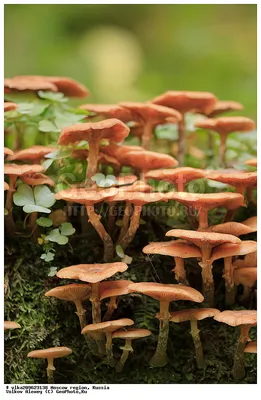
{"points": [[92, 176]]}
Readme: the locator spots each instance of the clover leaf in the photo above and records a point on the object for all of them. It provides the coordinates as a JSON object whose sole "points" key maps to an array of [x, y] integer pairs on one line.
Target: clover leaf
{"points": [[5, 211], [52, 271], [119, 251], [104, 181], [38, 199], [47, 126], [56, 237], [52, 96], [67, 229], [45, 222], [47, 257]]}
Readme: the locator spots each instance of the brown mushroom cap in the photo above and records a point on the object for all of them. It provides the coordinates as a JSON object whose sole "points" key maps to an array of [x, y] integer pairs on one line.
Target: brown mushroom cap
{"points": [[9, 106], [233, 178], [236, 318], [86, 196], [68, 86], [250, 260], [108, 326], [32, 153], [126, 180], [252, 162], [131, 333], [226, 125], [146, 160], [112, 129], [72, 292], [52, 352], [251, 347], [235, 228], [164, 292], [251, 223], [8, 151], [223, 106], [232, 249], [28, 83], [18, 170], [245, 276], [186, 173], [184, 101], [138, 198], [153, 112], [173, 248], [137, 186], [11, 325], [114, 288], [6, 186], [202, 239], [92, 273], [193, 314], [119, 151], [35, 179], [208, 201], [109, 111]]}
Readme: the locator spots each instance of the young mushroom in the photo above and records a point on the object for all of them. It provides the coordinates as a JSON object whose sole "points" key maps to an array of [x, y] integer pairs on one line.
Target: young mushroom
{"points": [[252, 162], [251, 347], [94, 132], [247, 277], [105, 111], [9, 106], [50, 354], [206, 242], [112, 290], [194, 315], [8, 152], [108, 328], [245, 319], [128, 335], [11, 325], [236, 228], [164, 294], [186, 101], [177, 249], [224, 106], [224, 126], [151, 115]]}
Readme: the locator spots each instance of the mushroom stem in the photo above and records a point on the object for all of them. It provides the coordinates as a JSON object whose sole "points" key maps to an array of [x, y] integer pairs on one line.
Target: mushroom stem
{"points": [[179, 271], [96, 315], [92, 161], [10, 225], [246, 293], [197, 343], [238, 370], [125, 354], [125, 220], [207, 277], [109, 353], [134, 225], [159, 358], [202, 219], [111, 306], [94, 219], [81, 313], [147, 134], [181, 141], [111, 217], [229, 281], [222, 150], [50, 368]]}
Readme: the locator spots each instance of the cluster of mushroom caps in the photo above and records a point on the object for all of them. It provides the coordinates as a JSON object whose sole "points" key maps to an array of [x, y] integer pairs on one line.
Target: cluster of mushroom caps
{"points": [[106, 128]]}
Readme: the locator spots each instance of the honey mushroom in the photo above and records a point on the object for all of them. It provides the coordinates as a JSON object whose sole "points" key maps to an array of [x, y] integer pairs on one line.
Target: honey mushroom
{"points": [[105, 111], [224, 106], [251, 347], [112, 290], [10, 106], [11, 325], [34, 154], [247, 277], [236, 228]]}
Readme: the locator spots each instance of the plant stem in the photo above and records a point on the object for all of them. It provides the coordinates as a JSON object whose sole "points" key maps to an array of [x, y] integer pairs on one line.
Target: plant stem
{"points": [[222, 150], [111, 306], [125, 354], [109, 353], [50, 369], [159, 358], [197, 343], [147, 134], [238, 370], [92, 161], [134, 225], [179, 271], [94, 219], [181, 141], [207, 276]]}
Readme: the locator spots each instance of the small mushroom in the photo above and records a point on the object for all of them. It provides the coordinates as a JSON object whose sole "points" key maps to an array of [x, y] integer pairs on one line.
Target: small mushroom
{"points": [[129, 335], [178, 250], [224, 106], [224, 126], [194, 315], [9, 106], [250, 260], [8, 152], [205, 241], [251, 347], [252, 162], [107, 327], [247, 277], [164, 294], [245, 319], [34, 154], [11, 325], [236, 228], [105, 111], [50, 354], [113, 289], [94, 132]]}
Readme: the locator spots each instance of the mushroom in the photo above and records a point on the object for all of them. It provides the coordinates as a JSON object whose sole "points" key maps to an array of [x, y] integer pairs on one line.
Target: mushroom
{"points": [[207, 201], [224, 106], [250, 260], [185, 101], [224, 126], [75, 292], [94, 132], [107, 327], [129, 335], [34, 154], [247, 277], [227, 251], [50, 354], [6, 186], [108, 111], [165, 294], [14, 171], [103, 159], [89, 198], [252, 162], [11, 325], [113, 289], [245, 319], [9, 106], [178, 176], [236, 228], [178, 250], [251, 347], [194, 315], [150, 115], [205, 241], [8, 152], [25, 83]]}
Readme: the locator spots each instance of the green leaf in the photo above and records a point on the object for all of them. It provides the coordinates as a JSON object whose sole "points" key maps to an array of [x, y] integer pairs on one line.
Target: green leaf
{"points": [[52, 96], [62, 240], [47, 257], [32, 109], [67, 229], [5, 211], [46, 164], [43, 196], [98, 177], [56, 237], [24, 195], [45, 222], [47, 126], [119, 251], [52, 271], [30, 208]]}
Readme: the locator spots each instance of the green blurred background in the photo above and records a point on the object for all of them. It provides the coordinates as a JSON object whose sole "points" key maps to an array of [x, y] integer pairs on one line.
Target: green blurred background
{"points": [[135, 52]]}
